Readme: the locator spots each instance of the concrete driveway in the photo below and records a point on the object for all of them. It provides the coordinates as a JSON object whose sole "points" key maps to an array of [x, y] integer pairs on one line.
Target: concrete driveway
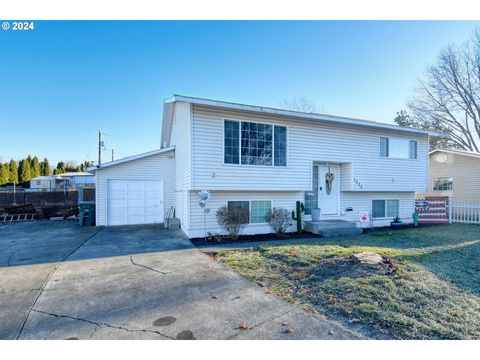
{"points": [[62, 281]]}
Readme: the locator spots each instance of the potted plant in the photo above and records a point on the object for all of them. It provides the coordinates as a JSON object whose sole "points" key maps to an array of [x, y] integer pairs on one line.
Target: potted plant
{"points": [[396, 223]]}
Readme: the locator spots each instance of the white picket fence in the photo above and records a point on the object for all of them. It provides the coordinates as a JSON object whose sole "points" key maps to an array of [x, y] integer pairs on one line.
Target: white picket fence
{"points": [[463, 213]]}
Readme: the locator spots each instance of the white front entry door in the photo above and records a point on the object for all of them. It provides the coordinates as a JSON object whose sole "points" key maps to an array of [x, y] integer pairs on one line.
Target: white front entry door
{"points": [[134, 202], [328, 198]]}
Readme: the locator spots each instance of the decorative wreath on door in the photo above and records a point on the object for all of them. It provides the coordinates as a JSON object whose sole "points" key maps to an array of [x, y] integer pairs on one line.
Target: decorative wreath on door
{"points": [[329, 177]]}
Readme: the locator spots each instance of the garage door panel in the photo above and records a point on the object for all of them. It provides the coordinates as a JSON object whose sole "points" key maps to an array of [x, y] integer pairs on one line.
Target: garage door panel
{"points": [[152, 201], [152, 194], [152, 211], [134, 202], [136, 185], [150, 185], [135, 219], [117, 185], [135, 194], [152, 220]]}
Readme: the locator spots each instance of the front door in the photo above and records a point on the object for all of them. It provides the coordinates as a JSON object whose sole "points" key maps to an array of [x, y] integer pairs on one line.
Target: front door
{"points": [[328, 189]]}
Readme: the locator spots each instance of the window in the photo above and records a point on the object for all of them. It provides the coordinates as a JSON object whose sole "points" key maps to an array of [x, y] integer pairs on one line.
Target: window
{"points": [[38, 182], [398, 148], [384, 147], [257, 209], [280, 146], [389, 208], [231, 142], [413, 149], [256, 145], [242, 204], [250, 143], [311, 197], [441, 184]]}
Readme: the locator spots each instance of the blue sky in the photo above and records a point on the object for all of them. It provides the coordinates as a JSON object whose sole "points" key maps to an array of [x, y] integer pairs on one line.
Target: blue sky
{"points": [[64, 81]]}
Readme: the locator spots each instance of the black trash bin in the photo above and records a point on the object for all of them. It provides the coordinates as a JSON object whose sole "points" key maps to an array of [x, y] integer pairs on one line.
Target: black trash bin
{"points": [[87, 213]]}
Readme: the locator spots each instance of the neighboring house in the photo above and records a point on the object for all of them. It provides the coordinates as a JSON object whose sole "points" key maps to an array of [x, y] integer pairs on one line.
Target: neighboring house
{"points": [[43, 183], [61, 181], [455, 174], [78, 179], [260, 158]]}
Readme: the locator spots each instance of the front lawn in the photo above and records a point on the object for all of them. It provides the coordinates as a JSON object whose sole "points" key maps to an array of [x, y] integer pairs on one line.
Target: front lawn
{"points": [[433, 292]]}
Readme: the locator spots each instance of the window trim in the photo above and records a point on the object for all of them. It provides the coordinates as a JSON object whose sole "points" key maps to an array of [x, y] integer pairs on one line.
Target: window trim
{"points": [[385, 200], [389, 148], [240, 144], [449, 178], [250, 208]]}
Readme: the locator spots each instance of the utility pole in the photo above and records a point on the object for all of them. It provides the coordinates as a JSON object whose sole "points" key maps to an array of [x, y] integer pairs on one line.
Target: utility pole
{"points": [[99, 147], [112, 154]]}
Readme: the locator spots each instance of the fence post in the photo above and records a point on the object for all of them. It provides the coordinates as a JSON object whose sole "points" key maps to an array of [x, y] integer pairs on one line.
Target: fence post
{"points": [[450, 205]]}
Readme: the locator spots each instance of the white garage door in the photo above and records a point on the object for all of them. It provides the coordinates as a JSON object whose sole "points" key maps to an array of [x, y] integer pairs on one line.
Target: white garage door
{"points": [[134, 202]]}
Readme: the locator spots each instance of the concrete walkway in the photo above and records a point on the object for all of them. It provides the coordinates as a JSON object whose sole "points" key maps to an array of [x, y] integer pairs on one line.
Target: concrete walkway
{"points": [[61, 281]]}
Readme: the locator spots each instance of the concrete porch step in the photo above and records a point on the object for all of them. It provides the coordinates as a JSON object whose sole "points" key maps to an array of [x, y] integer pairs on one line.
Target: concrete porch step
{"points": [[331, 228]]}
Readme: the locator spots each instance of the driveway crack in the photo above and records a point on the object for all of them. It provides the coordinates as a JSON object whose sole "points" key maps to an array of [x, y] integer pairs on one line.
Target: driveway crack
{"points": [[99, 324], [264, 322], [57, 266], [148, 267]]}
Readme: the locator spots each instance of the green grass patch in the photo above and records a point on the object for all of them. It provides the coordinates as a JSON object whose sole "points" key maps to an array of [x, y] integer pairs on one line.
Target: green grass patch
{"points": [[433, 294]]}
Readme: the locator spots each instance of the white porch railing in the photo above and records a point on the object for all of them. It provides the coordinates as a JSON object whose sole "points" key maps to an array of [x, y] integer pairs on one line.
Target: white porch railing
{"points": [[463, 213]]}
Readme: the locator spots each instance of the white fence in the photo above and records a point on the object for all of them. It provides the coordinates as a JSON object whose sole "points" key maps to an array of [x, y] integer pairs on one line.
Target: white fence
{"points": [[463, 213]]}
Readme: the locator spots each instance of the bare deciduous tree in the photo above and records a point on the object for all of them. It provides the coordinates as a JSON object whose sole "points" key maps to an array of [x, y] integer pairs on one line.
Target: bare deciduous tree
{"points": [[448, 97], [299, 103]]}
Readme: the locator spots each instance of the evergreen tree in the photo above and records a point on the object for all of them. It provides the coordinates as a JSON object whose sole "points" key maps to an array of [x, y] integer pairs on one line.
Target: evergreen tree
{"points": [[86, 164], [13, 172], [35, 167], [4, 173], [45, 168], [24, 173], [60, 169]]}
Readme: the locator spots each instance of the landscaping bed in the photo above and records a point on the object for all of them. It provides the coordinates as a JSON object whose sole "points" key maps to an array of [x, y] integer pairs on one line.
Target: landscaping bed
{"points": [[224, 239], [425, 283]]}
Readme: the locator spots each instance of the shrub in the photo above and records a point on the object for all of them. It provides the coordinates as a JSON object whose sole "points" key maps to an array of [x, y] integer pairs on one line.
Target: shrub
{"points": [[279, 220], [232, 220]]}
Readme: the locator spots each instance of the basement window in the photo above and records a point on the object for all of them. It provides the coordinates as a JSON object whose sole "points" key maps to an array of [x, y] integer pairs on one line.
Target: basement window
{"points": [[385, 208]]}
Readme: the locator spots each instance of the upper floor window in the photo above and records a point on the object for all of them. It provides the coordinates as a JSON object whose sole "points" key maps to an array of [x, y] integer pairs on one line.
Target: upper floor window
{"points": [[441, 184], [398, 148], [250, 143]]}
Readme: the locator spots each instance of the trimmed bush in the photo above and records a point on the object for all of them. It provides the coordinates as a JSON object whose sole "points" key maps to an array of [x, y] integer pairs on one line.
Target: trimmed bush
{"points": [[232, 220], [279, 220]]}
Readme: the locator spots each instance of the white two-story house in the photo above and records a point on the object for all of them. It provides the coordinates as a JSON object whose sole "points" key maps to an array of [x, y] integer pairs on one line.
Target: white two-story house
{"points": [[260, 158]]}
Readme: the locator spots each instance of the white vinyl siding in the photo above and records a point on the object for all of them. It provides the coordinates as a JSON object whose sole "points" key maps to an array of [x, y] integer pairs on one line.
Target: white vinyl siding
{"points": [[181, 139], [355, 148], [358, 201], [156, 167]]}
